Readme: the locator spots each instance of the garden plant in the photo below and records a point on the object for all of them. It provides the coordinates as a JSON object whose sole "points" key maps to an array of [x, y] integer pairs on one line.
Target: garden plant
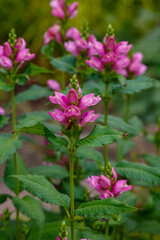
{"points": [[90, 194]]}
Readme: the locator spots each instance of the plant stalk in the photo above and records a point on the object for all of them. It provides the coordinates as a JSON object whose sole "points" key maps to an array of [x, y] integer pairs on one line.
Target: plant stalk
{"points": [[72, 187], [106, 230], [127, 110], [15, 158]]}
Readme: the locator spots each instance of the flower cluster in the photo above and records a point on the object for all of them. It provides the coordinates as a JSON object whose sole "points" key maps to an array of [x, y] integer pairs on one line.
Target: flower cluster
{"points": [[76, 44], [1, 111], [136, 67], [108, 54], [61, 10], [14, 55], [108, 187], [73, 106]]}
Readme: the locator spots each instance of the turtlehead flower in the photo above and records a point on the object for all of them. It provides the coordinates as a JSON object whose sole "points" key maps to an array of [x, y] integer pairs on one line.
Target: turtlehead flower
{"points": [[53, 84], [108, 54], [108, 187], [60, 11], [16, 55], [136, 67], [1, 111], [73, 106], [52, 33]]}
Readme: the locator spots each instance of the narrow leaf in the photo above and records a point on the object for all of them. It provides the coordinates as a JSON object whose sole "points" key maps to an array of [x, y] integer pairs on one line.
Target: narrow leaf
{"points": [[34, 70], [65, 64]]}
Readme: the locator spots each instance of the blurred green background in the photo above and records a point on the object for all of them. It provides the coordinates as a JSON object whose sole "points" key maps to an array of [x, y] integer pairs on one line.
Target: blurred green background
{"points": [[137, 21]]}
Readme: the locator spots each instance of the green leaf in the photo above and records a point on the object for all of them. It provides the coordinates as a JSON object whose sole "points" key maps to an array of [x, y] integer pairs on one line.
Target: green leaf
{"points": [[34, 70], [32, 118], [139, 172], [136, 85], [86, 153], [9, 170], [5, 86], [152, 160], [124, 146], [136, 124], [3, 197], [40, 129], [33, 93], [118, 123], [8, 147], [100, 136], [3, 121], [64, 64], [128, 198], [102, 208], [30, 207], [40, 187], [55, 171]]}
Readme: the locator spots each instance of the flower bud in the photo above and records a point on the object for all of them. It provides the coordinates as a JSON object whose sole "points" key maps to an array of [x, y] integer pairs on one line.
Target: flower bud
{"points": [[72, 10], [6, 62], [72, 96], [7, 49], [54, 85], [20, 44], [2, 111], [111, 43]]}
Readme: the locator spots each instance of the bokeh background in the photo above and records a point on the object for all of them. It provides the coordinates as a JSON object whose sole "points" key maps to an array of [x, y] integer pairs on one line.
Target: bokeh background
{"points": [[137, 21]]}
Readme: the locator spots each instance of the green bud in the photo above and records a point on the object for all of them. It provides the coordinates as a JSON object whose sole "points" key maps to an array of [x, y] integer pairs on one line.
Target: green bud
{"points": [[12, 37], [85, 30], [110, 31]]}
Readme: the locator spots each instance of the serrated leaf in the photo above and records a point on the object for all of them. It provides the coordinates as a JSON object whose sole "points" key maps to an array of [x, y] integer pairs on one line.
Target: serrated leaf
{"points": [[40, 187], [5, 86], [64, 64], [128, 198], [86, 153], [55, 171], [40, 129], [9, 170], [32, 118], [8, 147], [3, 197], [3, 121], [33, 93], [30, 207], [136, 85], [118, 123], [152, 160], [100, 136], [34, 70], [136, 124], [102, 208], [139, 172]]}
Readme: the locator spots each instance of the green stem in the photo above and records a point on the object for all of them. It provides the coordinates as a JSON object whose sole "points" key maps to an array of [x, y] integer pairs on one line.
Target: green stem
{"points": [[106, 104], [114, 233], [72, 186], [127, 111], [9, 232], [15, 158], [151, 236], [106, 230]]}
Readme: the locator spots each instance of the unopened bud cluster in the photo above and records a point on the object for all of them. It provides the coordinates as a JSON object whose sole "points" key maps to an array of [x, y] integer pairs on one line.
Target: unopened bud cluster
{"points": [[63, 231], [12, 37]]}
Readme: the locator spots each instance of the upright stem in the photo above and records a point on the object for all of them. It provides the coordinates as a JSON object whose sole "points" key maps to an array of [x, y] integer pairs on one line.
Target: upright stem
{"points": [[72, 186], [127, 112], [151, 236], [106, 103], [15, 158], [106, 230]]}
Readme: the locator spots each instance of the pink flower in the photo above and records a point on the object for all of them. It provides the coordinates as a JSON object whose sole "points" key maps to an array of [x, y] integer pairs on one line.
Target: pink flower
{"points": [[136, 67], [72, 10], [111, 43], [122, 48], [2, 53], [93, 181], [53, 32], [57, 10], [24, 54], [119, 187], [71, 46], [82, 45], [1, 111], [72, 96], [57, 238], [6, 62], [95, 62], [109, 58], [95, 47], [104, 181], [60, 99], [87, 117], [88, 100], [54, 85], [7, 49], [72, 112], [20, 44], [73, 33], [137, 57], [122, 71], [114, 176], [58, 115], [106, 194]]}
